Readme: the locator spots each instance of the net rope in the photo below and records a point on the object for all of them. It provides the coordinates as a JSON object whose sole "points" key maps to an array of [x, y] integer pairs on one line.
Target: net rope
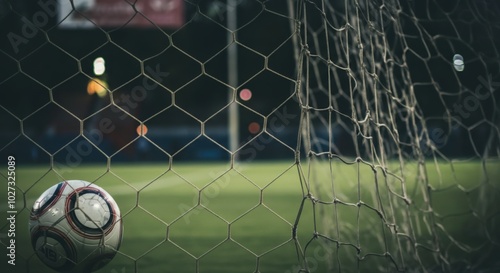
{"points": [[380, 93]]}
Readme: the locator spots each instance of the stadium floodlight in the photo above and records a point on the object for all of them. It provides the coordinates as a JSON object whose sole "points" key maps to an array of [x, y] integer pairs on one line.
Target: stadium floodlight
{"points": [[99, 66]]}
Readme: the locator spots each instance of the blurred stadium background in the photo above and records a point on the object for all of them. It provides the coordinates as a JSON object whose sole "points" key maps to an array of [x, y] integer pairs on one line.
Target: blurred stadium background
{"points": [[54, 63], [159, 125]]}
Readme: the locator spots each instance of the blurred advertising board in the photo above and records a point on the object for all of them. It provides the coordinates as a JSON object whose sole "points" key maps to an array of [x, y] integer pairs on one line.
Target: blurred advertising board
{"points": [[121, 13]]}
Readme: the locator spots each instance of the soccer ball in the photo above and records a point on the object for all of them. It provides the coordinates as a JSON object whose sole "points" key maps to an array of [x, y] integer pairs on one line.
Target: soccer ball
{"points": [[75, 226]]}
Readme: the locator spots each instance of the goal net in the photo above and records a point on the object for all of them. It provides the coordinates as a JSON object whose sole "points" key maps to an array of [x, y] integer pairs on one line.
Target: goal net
{"points": [[258, 135], [405, 94]]}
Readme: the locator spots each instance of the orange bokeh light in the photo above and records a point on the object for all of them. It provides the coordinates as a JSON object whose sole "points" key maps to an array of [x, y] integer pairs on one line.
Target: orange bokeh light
{"points": [[254, 127], [142, 130], [97, 86]]}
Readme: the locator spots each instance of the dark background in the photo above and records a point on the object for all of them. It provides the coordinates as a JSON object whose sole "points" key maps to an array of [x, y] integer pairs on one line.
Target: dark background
{"points": [[45, 105]]}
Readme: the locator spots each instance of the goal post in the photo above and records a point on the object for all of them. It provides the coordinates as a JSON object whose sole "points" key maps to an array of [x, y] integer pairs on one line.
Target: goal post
{"points": [[232, 70]]}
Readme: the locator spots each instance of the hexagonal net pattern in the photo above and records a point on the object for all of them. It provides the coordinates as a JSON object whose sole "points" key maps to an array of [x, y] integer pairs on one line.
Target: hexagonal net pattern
{"points": [[261, 136]]}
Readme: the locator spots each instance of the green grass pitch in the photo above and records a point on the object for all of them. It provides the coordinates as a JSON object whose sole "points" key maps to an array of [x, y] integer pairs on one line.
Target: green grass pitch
{"points": [[209, 217]]}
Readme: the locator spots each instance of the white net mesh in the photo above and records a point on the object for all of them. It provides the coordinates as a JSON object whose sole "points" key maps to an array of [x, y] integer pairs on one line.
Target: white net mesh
{"points": [[383, 93], [367, 139]]}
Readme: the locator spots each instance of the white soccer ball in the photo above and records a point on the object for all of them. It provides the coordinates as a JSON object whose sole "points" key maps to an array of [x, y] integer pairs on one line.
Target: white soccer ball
{"points": [[75, 226]]}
